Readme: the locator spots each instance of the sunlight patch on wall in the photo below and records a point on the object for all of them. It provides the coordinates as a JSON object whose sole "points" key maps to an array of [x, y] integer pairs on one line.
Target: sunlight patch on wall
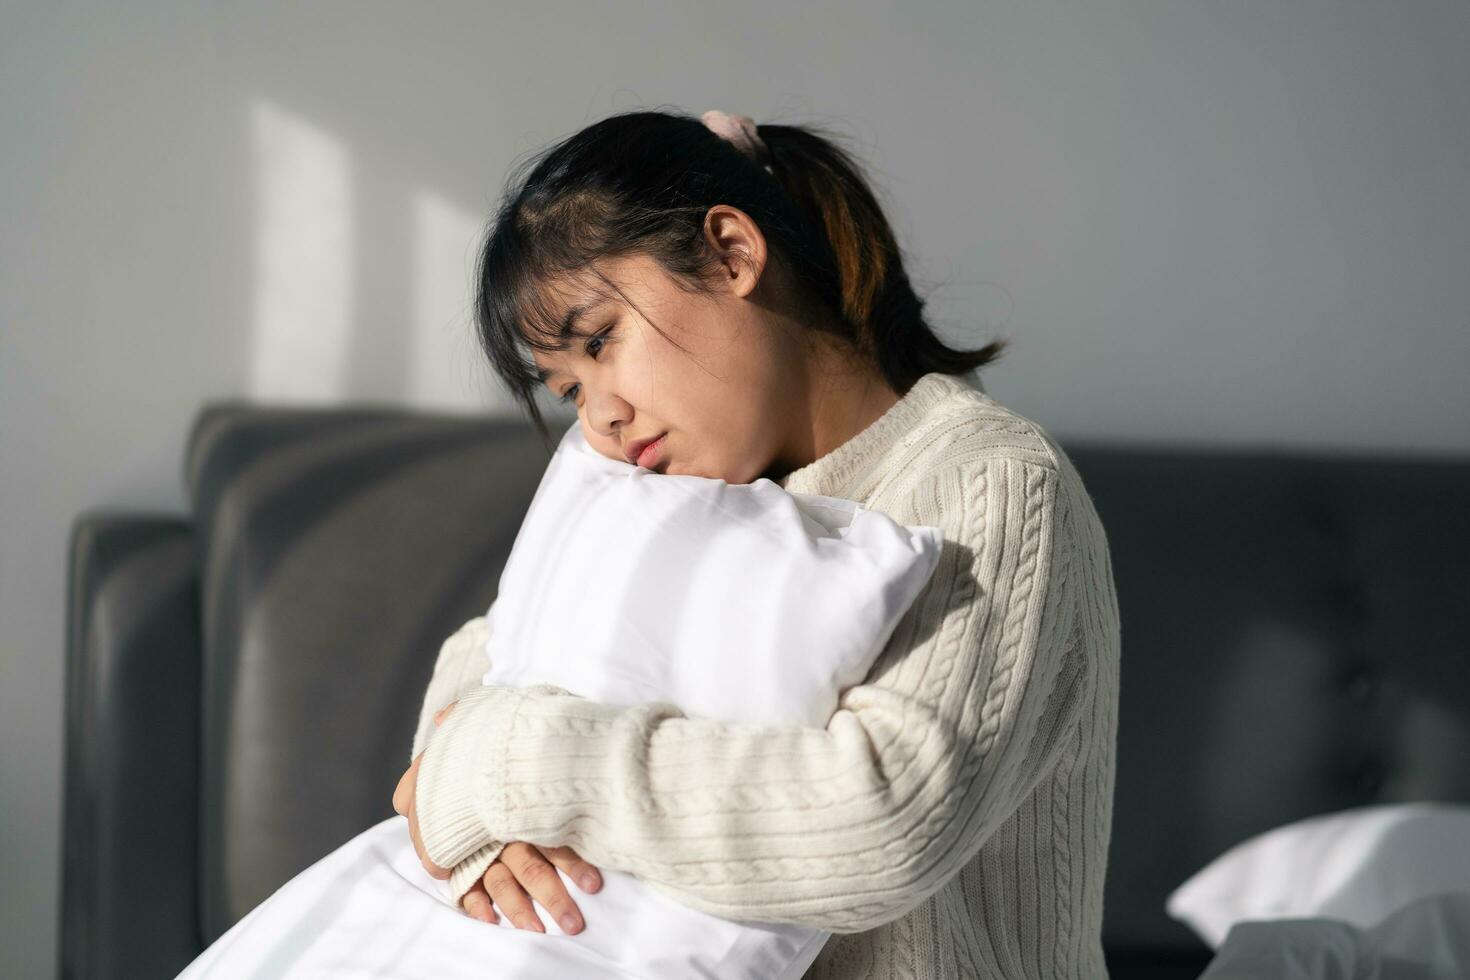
{"points": [[303, 259]]}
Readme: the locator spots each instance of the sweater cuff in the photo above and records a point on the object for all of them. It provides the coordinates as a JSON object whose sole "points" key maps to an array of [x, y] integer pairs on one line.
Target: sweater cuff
{"points": [[464, 874], [462, 765]]}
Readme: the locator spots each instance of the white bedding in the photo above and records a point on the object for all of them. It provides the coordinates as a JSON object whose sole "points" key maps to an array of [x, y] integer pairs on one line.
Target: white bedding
{"points": [[368, 909], [733, 601]]}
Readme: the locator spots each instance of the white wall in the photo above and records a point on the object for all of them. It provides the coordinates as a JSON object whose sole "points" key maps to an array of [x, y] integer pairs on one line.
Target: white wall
{"points": [[1242, 223]]}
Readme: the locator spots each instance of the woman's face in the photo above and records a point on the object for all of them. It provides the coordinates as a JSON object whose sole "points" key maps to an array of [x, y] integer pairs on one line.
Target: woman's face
{"points": [[726, 405]]}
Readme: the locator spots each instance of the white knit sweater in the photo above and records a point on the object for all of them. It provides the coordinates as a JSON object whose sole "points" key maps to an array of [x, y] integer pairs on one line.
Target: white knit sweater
{"points": [[952, 819]]}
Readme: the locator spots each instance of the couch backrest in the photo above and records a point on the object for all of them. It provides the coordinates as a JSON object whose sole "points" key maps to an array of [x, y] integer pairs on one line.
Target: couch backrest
{"points": [[1295, 640], [1294, 634], [337, 549]]}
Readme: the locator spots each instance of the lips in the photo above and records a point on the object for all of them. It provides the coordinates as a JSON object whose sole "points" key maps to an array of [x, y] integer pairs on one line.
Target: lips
{"points": [[645, 452]]}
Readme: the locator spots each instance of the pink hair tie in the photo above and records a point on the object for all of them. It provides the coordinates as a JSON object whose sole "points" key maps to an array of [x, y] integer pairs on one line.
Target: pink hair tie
{"points": [[739, 130]]}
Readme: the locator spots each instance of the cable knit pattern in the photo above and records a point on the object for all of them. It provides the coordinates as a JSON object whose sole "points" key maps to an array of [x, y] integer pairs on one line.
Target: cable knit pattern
{"points": [[459, 667], [952, 818]]}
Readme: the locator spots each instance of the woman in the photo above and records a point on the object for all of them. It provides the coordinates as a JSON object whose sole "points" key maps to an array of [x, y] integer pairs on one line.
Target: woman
{"points": [[729, 301]]}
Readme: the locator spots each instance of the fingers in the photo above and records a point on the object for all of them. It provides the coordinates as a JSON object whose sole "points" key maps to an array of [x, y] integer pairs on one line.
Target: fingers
{"points": [[585, 875], [477, 905], [514, 903], [443, 712], [526, 874]]}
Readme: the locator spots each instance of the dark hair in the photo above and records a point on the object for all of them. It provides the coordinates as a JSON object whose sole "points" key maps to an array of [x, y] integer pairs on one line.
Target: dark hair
{"points": [[641, 183]]}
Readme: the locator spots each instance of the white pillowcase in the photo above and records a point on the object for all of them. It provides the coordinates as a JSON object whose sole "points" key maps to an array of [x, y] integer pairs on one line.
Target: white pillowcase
{"points": [[737, 602], [1358, 865]]}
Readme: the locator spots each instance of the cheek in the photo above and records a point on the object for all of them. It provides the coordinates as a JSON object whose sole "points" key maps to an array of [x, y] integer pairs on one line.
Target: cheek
{"points": [[609, 447]]}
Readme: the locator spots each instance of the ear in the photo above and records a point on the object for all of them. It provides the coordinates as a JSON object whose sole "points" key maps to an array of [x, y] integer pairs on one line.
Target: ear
{"points": [[737, 239]]}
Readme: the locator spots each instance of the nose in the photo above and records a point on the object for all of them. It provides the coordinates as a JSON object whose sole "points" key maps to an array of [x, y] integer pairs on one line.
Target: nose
{"points": [[607, 413]]}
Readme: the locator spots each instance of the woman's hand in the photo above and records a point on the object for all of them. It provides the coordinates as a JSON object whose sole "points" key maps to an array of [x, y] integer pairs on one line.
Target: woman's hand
{"points": [[525, 871], [403, 804], [520, 873]]}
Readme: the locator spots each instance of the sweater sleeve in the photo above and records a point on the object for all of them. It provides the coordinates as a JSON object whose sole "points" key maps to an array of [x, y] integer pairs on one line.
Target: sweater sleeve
{"points": [[460, 665], [842, 828], [458, 669]]}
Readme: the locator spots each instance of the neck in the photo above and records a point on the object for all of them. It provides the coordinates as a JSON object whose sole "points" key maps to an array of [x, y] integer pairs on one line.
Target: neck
{"points": [[843, 397]]}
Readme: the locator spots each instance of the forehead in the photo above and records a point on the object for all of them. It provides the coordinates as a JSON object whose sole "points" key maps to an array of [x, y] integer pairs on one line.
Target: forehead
{"points": [[632, 279], [562, 314]]}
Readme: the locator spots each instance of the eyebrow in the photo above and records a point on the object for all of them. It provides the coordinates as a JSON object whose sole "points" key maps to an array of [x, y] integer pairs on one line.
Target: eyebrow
{"points": [[569, 329]]}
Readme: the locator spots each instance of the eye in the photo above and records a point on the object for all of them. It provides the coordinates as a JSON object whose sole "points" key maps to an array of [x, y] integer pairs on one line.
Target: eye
{"points": [[600, 340]]}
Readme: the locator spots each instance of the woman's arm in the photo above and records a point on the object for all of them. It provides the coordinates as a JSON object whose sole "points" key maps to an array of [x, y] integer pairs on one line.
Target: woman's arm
{"points": [[458, 669], [844, 827]]}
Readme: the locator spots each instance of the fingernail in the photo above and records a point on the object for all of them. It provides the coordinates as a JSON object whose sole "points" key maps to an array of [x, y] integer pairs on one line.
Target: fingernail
{"points": [[589, 881], [569, 923], [536, 926]]}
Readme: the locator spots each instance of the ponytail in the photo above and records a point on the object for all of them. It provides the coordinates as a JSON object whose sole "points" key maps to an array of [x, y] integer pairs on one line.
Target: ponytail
{"points": [[878, 302]]}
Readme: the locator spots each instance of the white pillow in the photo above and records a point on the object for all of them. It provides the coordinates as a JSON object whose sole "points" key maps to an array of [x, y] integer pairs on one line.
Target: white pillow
{"points": [[1358, 865], [739, 602]]}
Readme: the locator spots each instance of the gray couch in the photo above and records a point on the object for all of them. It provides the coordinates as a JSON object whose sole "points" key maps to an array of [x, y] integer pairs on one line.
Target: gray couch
{"points": [[243, 681]]}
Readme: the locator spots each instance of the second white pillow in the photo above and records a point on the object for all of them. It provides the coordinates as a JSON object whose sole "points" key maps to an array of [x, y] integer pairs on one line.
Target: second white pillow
{"points": [[1359, 865]]}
